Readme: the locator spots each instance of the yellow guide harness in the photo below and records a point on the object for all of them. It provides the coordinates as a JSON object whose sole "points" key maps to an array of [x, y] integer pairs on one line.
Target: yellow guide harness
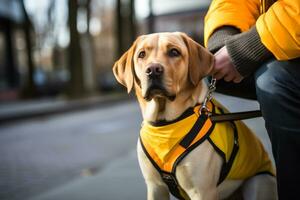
{"points": [[167, 143]]}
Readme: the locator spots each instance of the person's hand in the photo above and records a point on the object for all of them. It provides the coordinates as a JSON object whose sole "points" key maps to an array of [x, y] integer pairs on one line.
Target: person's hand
{"points": [[224, 68]]}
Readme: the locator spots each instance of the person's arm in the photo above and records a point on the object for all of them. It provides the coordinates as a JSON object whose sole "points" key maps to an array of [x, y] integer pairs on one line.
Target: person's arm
{"points": [[217, 40], [224, 19], [247, 50], [240, 56], [276, 33], [239, 14]]}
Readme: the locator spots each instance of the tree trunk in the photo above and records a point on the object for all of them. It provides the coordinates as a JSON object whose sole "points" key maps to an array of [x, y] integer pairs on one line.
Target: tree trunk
{"points": [[30, 87], [125, 26], [88, 54], [132, 21], [76, 85], [119, 29], [151, 22]]}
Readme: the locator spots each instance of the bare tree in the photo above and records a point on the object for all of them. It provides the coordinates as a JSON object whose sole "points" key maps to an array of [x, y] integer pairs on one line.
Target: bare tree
{"points": [[132, 21], [30, 87], [125, 25], [151, 22], [76, 85], [119, 28], [88, 52]]}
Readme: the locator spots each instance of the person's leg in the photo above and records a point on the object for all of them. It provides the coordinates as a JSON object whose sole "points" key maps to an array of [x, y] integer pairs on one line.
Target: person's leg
{"points": [[278, 92]]}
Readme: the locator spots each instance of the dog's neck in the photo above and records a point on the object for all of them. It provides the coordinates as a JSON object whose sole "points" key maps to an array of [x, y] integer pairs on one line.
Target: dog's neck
{"points": [[163, 109]]}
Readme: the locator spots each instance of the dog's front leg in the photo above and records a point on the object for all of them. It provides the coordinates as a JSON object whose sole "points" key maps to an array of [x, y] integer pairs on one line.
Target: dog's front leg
{"points": [[208, 194], [157, 192], [198, 173], [156, 188]]}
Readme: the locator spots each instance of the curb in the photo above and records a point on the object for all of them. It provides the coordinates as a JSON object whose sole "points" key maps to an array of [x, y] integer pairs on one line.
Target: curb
{"points": [[60, 106]]}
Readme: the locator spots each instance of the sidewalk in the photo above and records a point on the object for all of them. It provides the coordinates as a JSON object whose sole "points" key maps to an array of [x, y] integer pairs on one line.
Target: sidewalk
{"points": [[13, 111], [122, 179]]}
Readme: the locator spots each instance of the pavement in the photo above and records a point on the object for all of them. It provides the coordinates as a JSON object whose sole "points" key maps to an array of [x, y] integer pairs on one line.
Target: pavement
{"points": [[26, 109], [120, 177], [43, 153]]}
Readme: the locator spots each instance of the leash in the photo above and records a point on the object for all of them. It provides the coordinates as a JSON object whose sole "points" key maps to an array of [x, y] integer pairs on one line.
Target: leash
{"points": [[226, 116]]}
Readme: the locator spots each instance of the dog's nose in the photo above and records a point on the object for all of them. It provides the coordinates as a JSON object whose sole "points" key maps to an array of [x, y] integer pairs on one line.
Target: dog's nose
{"points": [[154, 70]]}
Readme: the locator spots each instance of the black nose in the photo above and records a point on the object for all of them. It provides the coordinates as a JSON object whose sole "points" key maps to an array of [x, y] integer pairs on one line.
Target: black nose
{"points": [[154, 70]]}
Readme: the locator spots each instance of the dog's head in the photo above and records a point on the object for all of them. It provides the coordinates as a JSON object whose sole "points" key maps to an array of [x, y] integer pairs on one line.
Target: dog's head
{"points": [[162, 65]]}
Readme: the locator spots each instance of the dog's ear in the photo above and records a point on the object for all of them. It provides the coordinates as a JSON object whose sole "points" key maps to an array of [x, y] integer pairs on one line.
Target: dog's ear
{"points": [[123, 69], [200, 60]]}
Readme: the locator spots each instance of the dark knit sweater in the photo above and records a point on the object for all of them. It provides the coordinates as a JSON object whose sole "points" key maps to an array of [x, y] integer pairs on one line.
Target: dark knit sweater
{"points": [[246, 50]]}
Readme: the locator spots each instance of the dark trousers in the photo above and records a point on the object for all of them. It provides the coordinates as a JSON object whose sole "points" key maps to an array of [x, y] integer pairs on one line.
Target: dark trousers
{"points": [[276, 86]]}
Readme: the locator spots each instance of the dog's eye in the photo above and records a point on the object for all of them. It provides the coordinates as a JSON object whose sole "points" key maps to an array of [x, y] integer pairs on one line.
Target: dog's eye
{"points": [[174, 53], [142, 54]]}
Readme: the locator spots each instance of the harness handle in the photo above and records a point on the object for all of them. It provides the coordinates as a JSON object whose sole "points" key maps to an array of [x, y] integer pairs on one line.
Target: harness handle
{"points": [[235, 116]]}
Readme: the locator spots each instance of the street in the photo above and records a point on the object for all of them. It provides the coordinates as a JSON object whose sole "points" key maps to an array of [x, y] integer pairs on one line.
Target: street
{"points": [[41, 154]]}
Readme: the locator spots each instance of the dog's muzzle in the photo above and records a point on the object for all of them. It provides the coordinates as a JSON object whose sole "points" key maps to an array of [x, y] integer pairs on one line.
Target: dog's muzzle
{"points": [[155, 84]]}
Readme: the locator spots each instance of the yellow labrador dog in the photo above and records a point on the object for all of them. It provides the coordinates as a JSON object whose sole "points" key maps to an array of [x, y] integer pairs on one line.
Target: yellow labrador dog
{"points": [[180, 150]]}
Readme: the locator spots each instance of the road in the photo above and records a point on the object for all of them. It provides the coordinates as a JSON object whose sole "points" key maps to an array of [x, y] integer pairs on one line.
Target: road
{"points": [[42, 154]]}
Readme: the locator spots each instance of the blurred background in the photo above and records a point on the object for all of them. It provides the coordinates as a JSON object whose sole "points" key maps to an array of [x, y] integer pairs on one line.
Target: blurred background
{"points": [[51, 48], [68, 130]]}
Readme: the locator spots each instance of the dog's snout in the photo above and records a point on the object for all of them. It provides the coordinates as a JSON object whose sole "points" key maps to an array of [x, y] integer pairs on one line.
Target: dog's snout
{"points": [[154, 70]]}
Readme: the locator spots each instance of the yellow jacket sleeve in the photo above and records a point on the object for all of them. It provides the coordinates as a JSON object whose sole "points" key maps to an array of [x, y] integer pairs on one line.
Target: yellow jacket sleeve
{"points": [[279, 29], [241, 14]]}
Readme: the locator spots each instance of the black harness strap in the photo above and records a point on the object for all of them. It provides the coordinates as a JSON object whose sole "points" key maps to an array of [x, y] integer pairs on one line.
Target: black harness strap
{"points": [[229, 117], [235, 116], [190, 136], [171, 181], [227, 167], [168, 178]]}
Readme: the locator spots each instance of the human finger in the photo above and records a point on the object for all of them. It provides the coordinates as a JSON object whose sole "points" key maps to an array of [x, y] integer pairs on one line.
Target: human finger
{"points": [[219, 75], [229, 77], [238, 79]]}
